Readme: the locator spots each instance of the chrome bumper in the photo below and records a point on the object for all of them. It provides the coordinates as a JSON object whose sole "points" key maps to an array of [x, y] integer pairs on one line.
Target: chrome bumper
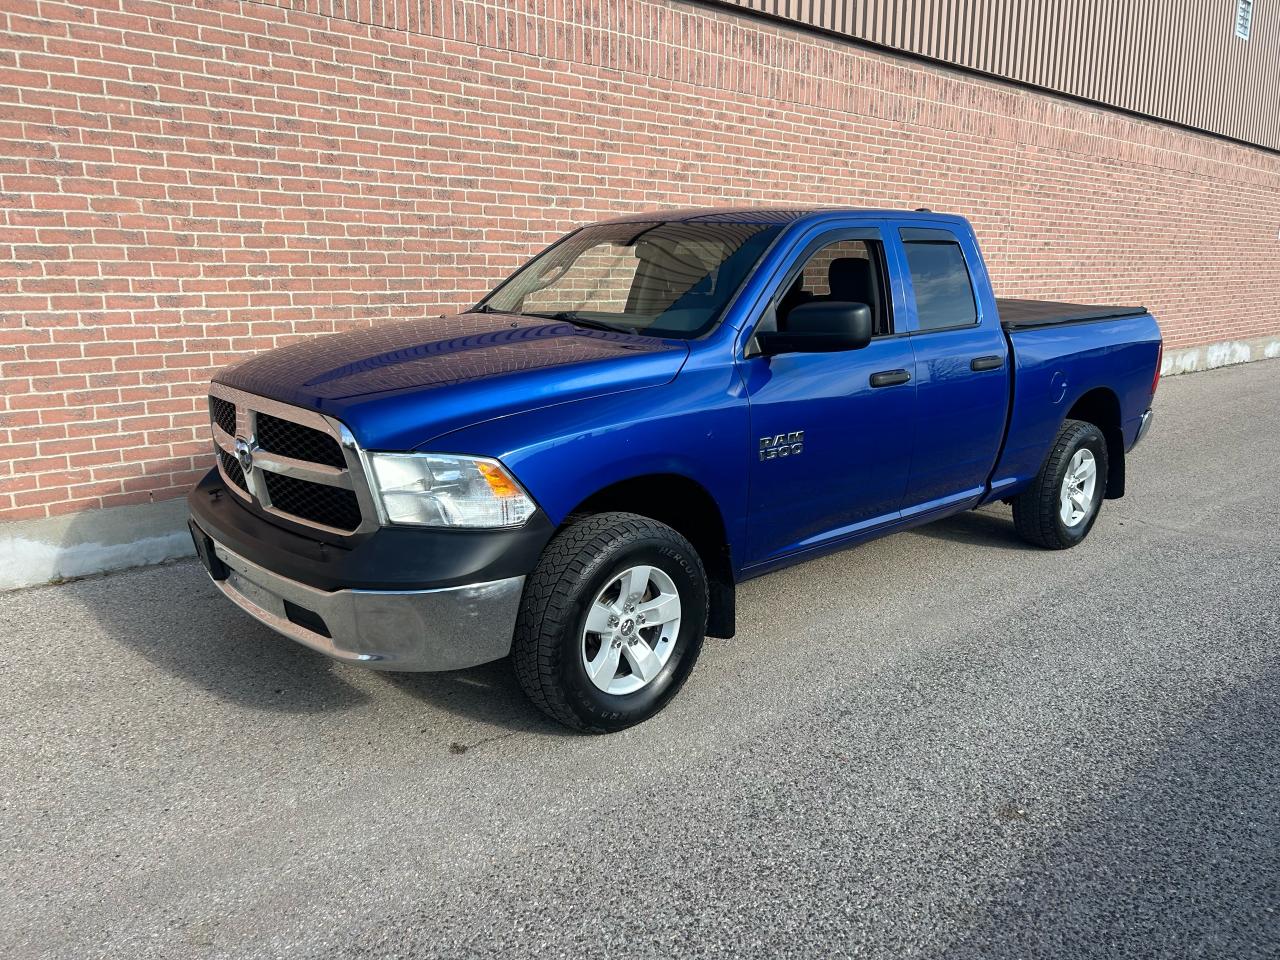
{"points": [[1143, 427], [445, 629]]}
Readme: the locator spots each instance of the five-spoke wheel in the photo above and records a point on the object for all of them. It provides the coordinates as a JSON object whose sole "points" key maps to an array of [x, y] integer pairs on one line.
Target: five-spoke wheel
{"points": [[631, 628], [1078, 485]]}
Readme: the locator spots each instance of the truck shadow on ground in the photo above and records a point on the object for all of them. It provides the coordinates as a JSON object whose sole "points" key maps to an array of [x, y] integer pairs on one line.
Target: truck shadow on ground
{"points": [[171, 616], [989, 527], [488, 694], [175, 619]]}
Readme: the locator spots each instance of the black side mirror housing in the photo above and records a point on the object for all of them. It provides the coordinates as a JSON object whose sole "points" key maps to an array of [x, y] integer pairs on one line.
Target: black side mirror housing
{"points": [[823, 327]]}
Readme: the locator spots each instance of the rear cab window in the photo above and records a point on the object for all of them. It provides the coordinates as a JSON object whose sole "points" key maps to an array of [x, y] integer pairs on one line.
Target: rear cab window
{"points": [[940, 280]]}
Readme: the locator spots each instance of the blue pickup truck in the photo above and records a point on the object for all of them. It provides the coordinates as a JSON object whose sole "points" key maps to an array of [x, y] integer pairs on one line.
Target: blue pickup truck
{"points": [[577, 472]]}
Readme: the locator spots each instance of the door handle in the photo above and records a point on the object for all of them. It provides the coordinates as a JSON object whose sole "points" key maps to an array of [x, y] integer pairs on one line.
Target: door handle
{"points": [[889, 378], [978, 364]]}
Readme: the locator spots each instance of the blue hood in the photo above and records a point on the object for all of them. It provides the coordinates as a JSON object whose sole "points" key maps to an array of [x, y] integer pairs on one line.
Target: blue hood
{"points": [[398, 385]]}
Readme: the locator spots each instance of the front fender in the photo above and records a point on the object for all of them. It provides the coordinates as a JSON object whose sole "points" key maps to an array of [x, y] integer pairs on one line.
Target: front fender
{"points": [[696, 426]]}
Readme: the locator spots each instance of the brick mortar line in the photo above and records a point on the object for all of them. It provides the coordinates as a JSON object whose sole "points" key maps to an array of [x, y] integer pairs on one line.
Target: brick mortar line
{"points": [[951, 75], [794, 34]]}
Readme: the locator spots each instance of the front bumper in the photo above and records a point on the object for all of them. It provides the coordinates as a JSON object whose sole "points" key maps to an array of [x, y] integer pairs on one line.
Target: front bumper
{"points": [[413, 630]]}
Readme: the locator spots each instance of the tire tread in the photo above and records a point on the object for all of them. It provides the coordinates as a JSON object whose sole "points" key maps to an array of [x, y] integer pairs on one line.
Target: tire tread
{"points": [[1035, 510]]}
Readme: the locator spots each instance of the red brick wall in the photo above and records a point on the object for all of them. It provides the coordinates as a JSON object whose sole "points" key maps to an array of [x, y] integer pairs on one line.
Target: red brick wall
{"points": [[183, 183]]}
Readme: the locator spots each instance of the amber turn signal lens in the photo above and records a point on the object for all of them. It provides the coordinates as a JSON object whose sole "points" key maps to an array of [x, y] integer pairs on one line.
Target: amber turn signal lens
{"points": [[501, 485]]}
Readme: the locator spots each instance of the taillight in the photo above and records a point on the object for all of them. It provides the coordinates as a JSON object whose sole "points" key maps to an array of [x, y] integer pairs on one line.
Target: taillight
{"points": [[1155, 381]]}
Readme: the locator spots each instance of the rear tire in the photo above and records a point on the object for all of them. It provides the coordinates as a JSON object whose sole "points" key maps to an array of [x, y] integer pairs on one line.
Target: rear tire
{"points": [[1059, 508], [600, 644]]}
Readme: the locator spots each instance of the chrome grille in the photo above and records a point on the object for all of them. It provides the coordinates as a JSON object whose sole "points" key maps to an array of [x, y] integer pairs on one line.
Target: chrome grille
{"points": [[301, 443], [232, 470], [296, 464], [330, 506], [223, 413]]}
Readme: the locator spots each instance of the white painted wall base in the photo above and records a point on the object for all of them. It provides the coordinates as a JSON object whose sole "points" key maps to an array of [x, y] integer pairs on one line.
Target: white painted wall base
{"points": [[34, 552], [1225, 353]]}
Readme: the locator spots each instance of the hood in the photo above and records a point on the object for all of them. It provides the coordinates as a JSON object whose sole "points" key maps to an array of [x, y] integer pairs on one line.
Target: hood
{"points": [[398, 385]]}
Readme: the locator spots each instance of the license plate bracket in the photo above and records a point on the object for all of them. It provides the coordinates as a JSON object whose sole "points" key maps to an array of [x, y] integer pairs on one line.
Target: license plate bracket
{"points": [[209, 558]]}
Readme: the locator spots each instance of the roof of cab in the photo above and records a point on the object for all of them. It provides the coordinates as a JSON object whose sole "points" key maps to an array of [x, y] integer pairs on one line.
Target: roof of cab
{"points": [[774, 215]]}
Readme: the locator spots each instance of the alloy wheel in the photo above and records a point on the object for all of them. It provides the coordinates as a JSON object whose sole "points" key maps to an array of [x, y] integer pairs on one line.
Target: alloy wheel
{"points": [[631, 630]]}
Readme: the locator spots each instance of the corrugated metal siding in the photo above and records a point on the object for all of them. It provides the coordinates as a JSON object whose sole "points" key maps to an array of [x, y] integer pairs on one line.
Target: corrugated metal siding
{"points": [[1177, 60]]}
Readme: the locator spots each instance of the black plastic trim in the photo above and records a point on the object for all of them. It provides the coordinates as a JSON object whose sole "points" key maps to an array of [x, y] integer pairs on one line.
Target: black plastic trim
{"points": [[307, 619], [890, 378], [214, 566], [391, 558]]}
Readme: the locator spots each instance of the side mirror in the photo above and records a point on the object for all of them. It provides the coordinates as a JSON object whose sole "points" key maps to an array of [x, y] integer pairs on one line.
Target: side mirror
{"points": [[823, 327]]}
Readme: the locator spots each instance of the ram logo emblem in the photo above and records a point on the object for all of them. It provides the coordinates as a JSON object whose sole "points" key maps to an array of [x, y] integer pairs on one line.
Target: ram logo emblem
{"points": [[782, 445], [244, 453]]}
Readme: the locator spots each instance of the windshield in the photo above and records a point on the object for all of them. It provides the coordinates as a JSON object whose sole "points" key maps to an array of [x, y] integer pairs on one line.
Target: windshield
{"points": [[664, 279]]}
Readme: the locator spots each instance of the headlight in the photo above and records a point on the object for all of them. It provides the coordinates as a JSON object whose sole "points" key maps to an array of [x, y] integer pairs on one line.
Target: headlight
{"points": [[439, 490]]}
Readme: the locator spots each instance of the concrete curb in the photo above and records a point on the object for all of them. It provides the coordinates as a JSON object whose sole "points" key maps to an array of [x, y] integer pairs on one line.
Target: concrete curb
{"points": [[36, 552]]}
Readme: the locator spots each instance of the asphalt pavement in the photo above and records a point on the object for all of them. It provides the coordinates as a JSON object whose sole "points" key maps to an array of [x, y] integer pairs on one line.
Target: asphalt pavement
{"points": [[942, 744]]}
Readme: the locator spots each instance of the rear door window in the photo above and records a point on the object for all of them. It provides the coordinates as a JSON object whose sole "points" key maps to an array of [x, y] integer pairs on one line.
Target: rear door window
{"points": [[940, 280]]}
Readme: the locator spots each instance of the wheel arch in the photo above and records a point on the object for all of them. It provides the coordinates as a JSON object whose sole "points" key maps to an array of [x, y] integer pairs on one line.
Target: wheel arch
{"points": [[1101, 407], [688, 508]]}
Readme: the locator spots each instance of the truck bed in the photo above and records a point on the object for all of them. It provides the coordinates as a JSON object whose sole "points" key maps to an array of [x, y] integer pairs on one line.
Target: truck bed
{"points": [[1062, 352], [1027, 314]]}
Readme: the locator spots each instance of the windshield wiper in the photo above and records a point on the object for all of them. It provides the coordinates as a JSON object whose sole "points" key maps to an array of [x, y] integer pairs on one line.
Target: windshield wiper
{"points": [[570, 316]]}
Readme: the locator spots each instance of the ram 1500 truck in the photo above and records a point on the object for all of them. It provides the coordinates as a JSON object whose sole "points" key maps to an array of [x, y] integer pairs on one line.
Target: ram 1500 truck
{"points": [[578, 471]]}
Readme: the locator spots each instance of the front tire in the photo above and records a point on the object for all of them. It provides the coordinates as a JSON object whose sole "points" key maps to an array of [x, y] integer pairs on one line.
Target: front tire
{"points": [[611, 622], [1059, 508]]}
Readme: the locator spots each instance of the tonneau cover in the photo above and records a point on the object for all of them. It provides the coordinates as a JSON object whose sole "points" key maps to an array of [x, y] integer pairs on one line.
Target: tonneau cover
{"points": [[1024, 314]]}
